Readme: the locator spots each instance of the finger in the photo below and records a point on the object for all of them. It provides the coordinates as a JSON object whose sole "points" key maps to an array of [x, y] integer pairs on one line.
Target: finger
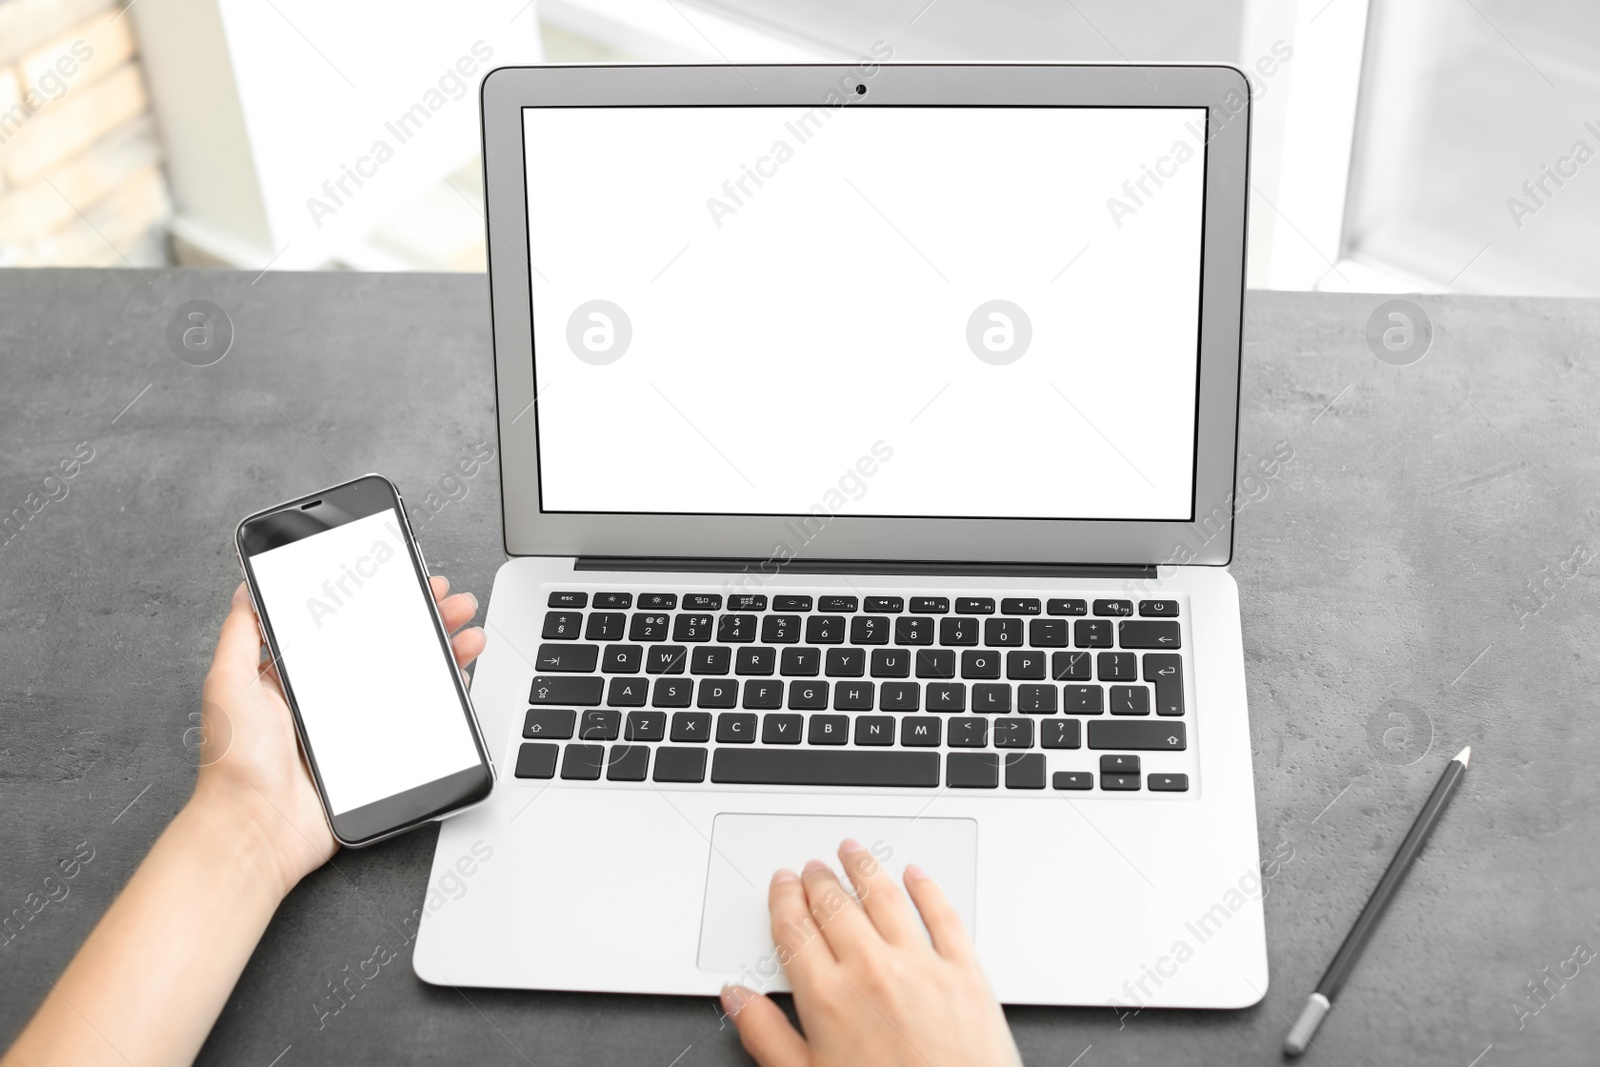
{"points": [[440, 586], [468, 645], [949, 936], [886, 905], [457, 611], [839, 917], [764, 1030], [803, 952], [239, 645]]}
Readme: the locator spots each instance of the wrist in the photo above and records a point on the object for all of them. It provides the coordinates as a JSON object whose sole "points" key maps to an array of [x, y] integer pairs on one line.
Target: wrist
{"points": [[231, 831]]}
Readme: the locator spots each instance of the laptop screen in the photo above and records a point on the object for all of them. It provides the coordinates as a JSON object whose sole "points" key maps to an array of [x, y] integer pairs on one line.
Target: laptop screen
{"points": [[958, 312]]}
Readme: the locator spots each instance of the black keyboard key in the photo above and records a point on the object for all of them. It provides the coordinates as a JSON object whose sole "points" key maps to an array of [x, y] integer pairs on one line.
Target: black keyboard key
{"points": [[852, 696], [569, 600], [537, 761], [1083, 700], [974, 605], [936, 663], [1047, 633], [1025, 666], [1092, 633], [1113, 607], [1115, 783], [1168, 783], [1119, 764], [1024, 770], [885, 605], [825, 630], [1159, 609], [990, 698], [1130, 700], [747, 602], [969, 731], [780, 629], [829, 729], [613, 600], [710, 659], [1020, 605], [671, 693], [599, 724], [869, 630], [1149, 634], [757, 661], [1072, 780], [666, 659], [836, 603], [680, 765], [791, 603], [899, 696], [623, 659], [563, 625], [846, 662], [875, 729], [1037, 699], [782, 729], [647, 627], [736, 727], [580, 659], [913, 630], [1119, 666], [1060, 606], [980, 664], [800, 663], [581, 763], [1016, 733], [1130, 735], [1072, 666], [691, 726], [717, 693], [1061, 733], [605, 626], [763, 694], [552, 723], [702, 602], [558, 689], [736, 629], [930, 605], [628, 692], [808, 696], [891, 663], [692, 628], [957, 630], [947, 696], [920, 731], [627, 763], [1166, 671], [1002, 633], [972, 770], [657, 601], [845, 767], [645, 726]]}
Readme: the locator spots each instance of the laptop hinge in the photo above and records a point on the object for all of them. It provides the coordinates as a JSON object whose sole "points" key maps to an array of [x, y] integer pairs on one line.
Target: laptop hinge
{"points": [[864, 566]]}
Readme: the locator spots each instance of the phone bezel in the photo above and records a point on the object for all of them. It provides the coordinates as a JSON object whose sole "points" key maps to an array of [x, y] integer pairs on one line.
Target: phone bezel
{"points": [[368, 495]]}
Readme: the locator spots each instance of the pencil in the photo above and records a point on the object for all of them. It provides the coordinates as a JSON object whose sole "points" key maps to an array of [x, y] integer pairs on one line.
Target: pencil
{"points": [[1344, 960]]}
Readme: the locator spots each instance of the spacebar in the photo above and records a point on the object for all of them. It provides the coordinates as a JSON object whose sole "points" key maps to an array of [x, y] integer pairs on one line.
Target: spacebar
{"points": [[781, 766]]}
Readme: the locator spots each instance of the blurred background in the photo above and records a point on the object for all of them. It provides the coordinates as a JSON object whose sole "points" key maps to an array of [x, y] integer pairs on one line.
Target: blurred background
{"points": [[1399, 145]]}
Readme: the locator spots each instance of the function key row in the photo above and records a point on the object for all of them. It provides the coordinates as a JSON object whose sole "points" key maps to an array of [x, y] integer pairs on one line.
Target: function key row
{"points": [[881, 605]]}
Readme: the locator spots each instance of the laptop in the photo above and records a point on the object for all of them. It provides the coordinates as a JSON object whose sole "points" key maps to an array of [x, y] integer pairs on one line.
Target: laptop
{"points": [[867, 439]]}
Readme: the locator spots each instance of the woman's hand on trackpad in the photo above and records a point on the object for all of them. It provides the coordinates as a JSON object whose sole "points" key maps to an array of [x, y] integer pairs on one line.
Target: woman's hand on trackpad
{"points": [[868, 986]]}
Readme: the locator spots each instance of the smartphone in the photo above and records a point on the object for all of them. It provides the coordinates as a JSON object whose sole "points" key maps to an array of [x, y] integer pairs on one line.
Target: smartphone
{"points": [[341, 592]]}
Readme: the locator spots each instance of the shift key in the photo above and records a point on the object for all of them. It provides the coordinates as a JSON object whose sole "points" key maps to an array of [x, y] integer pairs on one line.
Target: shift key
{"points": [[1130, 736], [582, 692]]}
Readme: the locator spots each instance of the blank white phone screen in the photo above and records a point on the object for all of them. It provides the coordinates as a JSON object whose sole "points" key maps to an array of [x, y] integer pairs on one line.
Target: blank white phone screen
{"points": [[732, 305], [359, 648]]}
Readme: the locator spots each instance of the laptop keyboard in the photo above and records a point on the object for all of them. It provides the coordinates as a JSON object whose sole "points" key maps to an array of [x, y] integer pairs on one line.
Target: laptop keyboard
{"points": [[845, 690]]}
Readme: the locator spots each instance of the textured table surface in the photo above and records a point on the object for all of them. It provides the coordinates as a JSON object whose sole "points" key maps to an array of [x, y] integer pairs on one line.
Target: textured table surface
{"points": [[1414, 578]]}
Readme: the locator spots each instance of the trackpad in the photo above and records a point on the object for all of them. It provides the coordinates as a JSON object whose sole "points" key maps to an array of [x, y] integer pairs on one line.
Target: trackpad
{"points": [[735, 933]]}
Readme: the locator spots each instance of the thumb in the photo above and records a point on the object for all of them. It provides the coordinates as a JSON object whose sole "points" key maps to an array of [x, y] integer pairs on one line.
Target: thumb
{"points": [[239, 646], [764, 1029]]}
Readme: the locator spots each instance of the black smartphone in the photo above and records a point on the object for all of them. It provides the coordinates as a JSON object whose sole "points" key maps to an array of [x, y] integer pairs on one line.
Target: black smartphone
{"points": [[341, 591]]}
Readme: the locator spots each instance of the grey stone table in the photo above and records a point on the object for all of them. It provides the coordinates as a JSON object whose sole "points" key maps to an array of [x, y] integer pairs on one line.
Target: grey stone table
{"points": [[1415, 575]]}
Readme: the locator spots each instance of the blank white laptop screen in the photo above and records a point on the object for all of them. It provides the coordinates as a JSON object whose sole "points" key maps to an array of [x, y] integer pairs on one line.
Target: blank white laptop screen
{"points": [[999, 307]]}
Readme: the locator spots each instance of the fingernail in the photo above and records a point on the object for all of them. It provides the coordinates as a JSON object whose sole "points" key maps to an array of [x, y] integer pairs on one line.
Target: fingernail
{"points": [[734, 998], [784, 874], [915, 873], [850, 845], [474, 602], [813, 866], [240, 595]]}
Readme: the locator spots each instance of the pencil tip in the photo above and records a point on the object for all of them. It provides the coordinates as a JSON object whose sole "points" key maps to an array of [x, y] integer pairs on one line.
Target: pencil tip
{"points": [[1464, 755]]}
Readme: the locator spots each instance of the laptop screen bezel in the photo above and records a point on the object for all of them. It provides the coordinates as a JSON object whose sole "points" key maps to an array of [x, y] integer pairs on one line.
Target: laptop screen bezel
{"points": [[1204, 538]]}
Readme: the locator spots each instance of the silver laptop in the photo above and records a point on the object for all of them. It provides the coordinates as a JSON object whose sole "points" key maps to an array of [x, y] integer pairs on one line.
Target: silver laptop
{"points": [[867, 455]]}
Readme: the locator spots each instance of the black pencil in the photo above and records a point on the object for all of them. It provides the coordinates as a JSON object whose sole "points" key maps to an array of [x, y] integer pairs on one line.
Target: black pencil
{"points": [[1344, 960]]}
